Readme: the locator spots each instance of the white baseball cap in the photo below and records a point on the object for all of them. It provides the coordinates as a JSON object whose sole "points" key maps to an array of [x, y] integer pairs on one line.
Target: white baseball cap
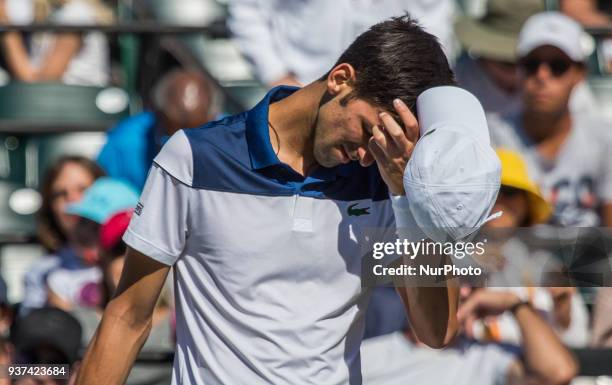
{"points": [[453, 176], [557, 30]]}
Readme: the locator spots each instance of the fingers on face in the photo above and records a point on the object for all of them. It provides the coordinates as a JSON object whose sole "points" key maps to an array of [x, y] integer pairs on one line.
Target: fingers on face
{"points": [[381, 139], [395, 131], [377, 152], [408, 118], [367, 159]]}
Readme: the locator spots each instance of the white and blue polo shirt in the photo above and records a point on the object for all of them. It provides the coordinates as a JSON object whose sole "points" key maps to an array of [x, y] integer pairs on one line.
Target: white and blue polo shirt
{"points": [[266, 262]]}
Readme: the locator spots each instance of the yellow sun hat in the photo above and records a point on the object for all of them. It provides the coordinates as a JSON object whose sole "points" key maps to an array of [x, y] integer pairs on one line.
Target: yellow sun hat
{"points": [[514, 174]]}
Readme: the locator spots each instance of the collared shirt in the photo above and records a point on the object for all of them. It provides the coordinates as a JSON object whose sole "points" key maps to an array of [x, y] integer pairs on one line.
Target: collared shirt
{"points": [[266, 262]]}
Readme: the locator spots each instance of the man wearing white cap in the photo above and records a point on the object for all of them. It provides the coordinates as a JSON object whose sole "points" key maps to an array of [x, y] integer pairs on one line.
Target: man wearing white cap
{"points": [[567, 153], [263, 215]]}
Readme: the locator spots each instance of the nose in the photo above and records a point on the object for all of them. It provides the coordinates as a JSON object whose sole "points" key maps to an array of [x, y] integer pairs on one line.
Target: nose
{"points": [[543, 72], [74, 196]]}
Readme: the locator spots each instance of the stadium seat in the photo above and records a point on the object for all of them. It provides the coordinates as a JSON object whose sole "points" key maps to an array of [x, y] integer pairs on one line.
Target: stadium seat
{"points": [[14, 227], [44, 107]]}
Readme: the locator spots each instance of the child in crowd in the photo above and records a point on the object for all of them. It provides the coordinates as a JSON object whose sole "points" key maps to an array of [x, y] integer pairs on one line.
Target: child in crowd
{"points": [[68, 288]]}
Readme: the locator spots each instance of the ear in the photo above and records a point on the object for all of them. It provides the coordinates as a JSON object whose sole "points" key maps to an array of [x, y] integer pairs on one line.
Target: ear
{"points": [[339, 78]]}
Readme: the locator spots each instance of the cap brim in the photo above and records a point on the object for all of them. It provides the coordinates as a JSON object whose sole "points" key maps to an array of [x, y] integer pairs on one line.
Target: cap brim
{"points": [[83, 211], [482, 41], [452, 106]]}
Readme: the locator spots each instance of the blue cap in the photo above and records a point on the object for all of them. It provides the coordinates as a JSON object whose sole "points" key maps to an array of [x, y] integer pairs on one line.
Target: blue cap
{"points": [[104, 198]]}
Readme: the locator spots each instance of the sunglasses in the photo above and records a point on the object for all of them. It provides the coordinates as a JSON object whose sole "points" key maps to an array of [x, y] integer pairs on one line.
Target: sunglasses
{"points": [[558, 67]]}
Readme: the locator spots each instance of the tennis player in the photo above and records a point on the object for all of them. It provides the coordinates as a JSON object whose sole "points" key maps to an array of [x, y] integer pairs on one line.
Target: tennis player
{"points": [[262, 216]]}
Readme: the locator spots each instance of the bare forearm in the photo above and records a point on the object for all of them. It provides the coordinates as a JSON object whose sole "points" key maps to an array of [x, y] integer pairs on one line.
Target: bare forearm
{"points": [[113, 349], [585, 12], [432, 313], [17, 57], [545, 355], [431, 307]]}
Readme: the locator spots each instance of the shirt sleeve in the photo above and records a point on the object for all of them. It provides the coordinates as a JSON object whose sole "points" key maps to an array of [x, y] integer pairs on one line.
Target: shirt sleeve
{"points": [[252, 32], [159, 227]]}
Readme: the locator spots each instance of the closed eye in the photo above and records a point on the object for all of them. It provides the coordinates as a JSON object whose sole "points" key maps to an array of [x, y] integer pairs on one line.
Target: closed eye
{"points": [[366, 127]]}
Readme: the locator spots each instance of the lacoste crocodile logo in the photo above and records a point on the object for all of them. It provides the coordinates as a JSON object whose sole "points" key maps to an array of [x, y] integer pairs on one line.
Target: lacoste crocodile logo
{"points": [[357, 211]]}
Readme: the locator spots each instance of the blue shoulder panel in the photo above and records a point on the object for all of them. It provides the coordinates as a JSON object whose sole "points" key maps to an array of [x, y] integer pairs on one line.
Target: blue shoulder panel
{"points": [[223, 161]]}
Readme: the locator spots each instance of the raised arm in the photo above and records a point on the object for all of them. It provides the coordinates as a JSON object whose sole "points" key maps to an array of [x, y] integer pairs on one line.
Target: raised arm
{"points": [[431, 307], [126, 322], [432, 311], [545, 359]]}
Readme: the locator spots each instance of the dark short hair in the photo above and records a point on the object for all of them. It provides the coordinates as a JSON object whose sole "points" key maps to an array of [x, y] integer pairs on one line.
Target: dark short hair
{"points": [[395, 59]]}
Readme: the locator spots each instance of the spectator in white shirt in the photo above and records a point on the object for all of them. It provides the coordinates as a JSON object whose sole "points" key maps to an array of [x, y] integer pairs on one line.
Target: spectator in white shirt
{"points": [[71, 58], [399, 358], [294, 42]]}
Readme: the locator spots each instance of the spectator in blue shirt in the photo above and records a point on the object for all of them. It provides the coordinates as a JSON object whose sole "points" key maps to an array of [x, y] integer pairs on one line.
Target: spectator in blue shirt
{"points": [[181, 99]]}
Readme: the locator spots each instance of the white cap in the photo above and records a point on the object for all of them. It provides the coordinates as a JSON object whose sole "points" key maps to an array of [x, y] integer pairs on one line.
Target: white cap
{"points": [[453, 176], [557, 30]]}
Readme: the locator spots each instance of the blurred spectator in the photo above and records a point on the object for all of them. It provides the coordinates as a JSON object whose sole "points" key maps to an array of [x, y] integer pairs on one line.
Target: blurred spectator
{"points": [[594, 14], [294, 42], [399, 358], [562, 307], [20, 12], [46, 336], [64, 183], [181, 99], [72, 58], [519, 197], [112, 259], [602, 320], [68, 288], [567, 154], [7, 317], [488, 67]]}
